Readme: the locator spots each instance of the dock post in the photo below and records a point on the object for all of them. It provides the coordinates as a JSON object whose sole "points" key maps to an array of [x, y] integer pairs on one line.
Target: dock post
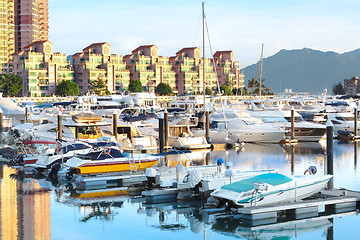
{"points": [[355, 122], [329, 152], [356, 146], [161, 133], [115, 119], [1, 126], [26, 114], [207, 125], [59, 127], [292, 159], [166, 128], [292, 124]]}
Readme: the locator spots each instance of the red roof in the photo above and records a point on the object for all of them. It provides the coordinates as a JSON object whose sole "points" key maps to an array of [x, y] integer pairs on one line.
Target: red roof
{"points": [[188, 48], [218, 53], [143, 46], [33, 43], [95, 44]]}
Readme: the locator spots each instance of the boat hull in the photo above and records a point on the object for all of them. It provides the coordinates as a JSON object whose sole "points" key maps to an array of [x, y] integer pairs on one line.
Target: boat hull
{"points": [[114, 166], [290, 193]]}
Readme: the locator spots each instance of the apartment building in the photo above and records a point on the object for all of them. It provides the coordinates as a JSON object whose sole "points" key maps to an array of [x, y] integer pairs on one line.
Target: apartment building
{"points": [[188, 66], [31, 22], [94, 63], [228, 70], [40, 69], [145, 65], [21, 23], [352, 85], [7, 33]]}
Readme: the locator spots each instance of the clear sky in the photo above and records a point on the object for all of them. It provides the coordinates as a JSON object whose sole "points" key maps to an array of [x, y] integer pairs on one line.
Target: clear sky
{"points": [[238, 25]]}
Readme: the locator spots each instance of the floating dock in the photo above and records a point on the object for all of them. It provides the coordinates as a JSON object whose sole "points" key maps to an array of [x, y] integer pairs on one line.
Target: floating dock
{"points": [[332, 201]]}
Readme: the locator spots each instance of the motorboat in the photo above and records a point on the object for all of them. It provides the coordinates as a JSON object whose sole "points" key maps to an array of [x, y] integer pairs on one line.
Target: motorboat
{"points": [[109, 159], [49, 157], [303, 130], [270, 188]]}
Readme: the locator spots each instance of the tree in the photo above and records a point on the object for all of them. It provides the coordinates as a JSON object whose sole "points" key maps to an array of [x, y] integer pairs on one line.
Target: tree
{"points": [[264, 90], [67, 88], [208, 91], [164, 89], [226, 90], [135, 86], [99, 87], [10, 84], [338, 89]]}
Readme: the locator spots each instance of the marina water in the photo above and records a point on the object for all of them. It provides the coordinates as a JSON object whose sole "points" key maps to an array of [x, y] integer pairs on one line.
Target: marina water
{"points": [[36, 209]]}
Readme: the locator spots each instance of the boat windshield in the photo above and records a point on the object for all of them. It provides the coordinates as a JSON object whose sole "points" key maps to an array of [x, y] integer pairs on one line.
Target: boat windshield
{"points": [[74, 147]]}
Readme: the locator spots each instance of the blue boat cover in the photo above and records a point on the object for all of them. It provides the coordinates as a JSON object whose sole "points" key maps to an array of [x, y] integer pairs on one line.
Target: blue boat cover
{"points": [[245, 185]]}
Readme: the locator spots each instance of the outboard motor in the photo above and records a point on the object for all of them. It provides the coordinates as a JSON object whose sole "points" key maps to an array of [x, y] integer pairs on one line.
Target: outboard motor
{"points": [[150, 174], [311, 170]]}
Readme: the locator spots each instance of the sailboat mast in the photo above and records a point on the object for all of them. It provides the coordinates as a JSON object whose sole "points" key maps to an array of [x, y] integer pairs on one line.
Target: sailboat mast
{"points": [[261, 66], [203, 17]]}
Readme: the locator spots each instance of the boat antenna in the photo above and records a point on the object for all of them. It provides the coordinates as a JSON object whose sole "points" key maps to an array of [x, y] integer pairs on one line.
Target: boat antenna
{"points": [[217, 80], [203, 14], [257, 70], [261, 66]]}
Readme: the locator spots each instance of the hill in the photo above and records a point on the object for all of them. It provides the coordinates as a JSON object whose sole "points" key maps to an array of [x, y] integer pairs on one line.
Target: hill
{"points": [[306, 70]]}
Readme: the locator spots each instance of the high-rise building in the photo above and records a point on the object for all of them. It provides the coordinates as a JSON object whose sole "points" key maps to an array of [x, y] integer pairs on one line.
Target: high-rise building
{"points": [[7, 33], [21, 23], [31, 22]]}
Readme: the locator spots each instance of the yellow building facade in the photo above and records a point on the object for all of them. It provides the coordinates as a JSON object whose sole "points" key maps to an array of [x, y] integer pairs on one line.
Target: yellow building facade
{"points": [[145, 65], [40, 69], [96, 62], [7, 33]]}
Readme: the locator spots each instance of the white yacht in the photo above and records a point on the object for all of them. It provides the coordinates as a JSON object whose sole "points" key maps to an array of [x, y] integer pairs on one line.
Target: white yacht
{"points": [[303, 130]]}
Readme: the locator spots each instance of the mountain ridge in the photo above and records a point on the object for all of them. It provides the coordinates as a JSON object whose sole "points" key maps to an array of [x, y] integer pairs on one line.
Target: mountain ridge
{"points": [[306, 70]]}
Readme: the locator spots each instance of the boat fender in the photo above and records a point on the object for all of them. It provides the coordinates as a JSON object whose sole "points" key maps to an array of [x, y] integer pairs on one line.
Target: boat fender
{"points": [[107, 210], [220, 161], [107, 150]]}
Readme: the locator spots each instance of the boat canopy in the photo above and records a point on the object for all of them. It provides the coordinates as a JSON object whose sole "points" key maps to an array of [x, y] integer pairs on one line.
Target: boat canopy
{"points": [[245, 185]]}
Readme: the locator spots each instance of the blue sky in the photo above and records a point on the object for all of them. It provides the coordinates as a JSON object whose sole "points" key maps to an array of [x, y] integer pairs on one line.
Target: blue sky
{"points": [[238, 25]]}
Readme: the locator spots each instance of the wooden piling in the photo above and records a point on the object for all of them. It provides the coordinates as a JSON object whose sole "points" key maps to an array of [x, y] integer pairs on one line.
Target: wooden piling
{"points": [[26, 114], [115, 119], [59, 135], [1, 126], [161, 134], [355, 122], [166, 128], [330, 152], [207, 124], [292, 124]]}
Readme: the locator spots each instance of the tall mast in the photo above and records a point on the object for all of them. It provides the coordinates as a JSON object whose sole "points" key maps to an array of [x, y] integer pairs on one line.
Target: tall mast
{"points": [[261, 66], [203, 17]]}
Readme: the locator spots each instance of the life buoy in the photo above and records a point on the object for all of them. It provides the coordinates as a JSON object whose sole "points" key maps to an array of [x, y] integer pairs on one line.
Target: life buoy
{"points": [[107, 150], [308, 171]]}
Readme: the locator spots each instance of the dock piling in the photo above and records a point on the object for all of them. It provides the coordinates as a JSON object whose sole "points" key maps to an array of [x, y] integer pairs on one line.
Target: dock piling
{"points": [[1, 126], [166, 128], [292, 124], [355, 122], [161, 134], [59, 127], [207, 125], [26, 114], [115, 119], [330, 152]]}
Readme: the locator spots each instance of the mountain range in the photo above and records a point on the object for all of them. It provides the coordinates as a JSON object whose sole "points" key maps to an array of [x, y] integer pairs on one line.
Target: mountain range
{"points": [[306, 70]]}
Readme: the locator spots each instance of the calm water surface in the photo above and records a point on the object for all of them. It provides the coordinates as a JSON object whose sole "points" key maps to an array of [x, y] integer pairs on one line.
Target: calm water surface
{"points": [[34, 209]]}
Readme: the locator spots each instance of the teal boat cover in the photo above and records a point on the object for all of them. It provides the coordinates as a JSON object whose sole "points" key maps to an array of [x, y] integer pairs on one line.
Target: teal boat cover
{"points": [[245, 185]]}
